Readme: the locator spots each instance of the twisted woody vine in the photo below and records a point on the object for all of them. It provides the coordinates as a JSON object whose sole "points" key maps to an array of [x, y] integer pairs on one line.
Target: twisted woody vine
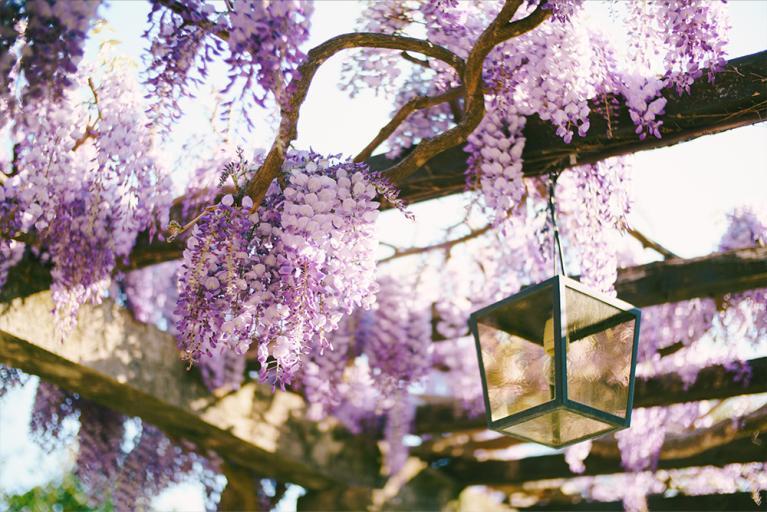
{"points": [[267, 268]]}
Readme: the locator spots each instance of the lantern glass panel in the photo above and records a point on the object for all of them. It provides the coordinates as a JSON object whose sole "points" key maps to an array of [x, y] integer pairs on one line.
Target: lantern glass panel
{"points": [[599, 351], [558, 427], [518, 370]]}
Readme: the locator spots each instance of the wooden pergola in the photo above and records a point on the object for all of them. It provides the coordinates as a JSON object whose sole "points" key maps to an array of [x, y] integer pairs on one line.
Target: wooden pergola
{"points": [[134, 368]]}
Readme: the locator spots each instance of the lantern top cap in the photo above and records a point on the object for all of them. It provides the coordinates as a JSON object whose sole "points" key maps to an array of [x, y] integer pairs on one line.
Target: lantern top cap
{"points": [[560, 281]]}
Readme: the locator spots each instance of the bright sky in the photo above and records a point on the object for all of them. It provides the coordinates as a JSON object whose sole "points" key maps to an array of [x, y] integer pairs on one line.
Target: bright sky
{"points": [[682, 192]]}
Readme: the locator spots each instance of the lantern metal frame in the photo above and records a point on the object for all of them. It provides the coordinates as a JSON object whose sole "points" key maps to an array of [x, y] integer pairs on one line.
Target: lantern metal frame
{"points": [[558, 283]]}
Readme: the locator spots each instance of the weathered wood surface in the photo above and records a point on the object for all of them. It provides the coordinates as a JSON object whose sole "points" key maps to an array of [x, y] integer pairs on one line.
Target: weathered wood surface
{"points": [[738, 97], [739, 501], [677, 446], [678, 279], [712, 383], [135, 369], [504, 472]]}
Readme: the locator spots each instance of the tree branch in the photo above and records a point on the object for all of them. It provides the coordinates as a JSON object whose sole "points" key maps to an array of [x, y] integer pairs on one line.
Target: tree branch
{"points": [[401, 253], [298, 90], [415, 60], [498, 31], [417, 103], [647, 243]]}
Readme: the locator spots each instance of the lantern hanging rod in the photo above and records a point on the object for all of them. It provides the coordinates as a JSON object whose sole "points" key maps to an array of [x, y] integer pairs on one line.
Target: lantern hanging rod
{"points": [[556, 248]]}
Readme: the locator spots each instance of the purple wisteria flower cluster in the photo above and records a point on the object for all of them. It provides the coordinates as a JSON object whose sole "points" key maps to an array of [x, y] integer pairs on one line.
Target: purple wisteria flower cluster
{"points": [[323, 375], [264, 40], [11, 378], [258, 41], [181, 50], [89, 181], [45, 39], [99, 452], [51, 408], [595, 201], [154, 463], [285, 275], [495, 160], [128, 473], [746, 315], [397, 341], [371, 68]]}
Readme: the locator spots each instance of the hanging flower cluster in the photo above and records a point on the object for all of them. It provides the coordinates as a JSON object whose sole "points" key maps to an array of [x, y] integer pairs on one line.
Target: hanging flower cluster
{"points": [[398, 338], [323, 373], [261, 49], [264, 40], [376, 69], [88, 182], [51, 36], [51, 408], [180, 46], [746, 315], [130, 476], [99, 453], [11, 378], [595, 202], [156, 462], [495, 159], [285, 275]]}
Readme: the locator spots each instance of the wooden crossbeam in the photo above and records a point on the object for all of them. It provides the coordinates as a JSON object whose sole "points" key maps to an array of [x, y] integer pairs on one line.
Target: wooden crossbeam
{"points": [[677, 445], [678, 279], [712, 383], [738, 97], [739, 501], [135, 369], [504, 472]]}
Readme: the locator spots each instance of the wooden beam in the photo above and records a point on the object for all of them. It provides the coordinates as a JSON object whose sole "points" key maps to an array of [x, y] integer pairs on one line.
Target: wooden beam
{"points": [[509, 472], [678, 279], [670, 280], [135, 369], [739, 501], [676, 446], [712, 383], [738, 97], [680, 446]]}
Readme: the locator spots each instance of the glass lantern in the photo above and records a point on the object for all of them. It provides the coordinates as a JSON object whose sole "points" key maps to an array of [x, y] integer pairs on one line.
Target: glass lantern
{"points": [[557, 362]]}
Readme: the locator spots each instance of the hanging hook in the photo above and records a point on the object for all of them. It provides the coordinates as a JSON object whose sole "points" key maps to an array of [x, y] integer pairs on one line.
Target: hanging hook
{"points": [[556, 248]]}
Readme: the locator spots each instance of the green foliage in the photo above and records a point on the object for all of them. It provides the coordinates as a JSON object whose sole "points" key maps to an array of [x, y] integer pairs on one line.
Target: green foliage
{"points": [[64, 496]]}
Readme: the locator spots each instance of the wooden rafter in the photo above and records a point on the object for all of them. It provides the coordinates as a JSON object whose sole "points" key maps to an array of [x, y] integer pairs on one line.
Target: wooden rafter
{"points": [[468, 472], [712, 383], [738, 97], [740, 501], [676, 447], [134, 368]]}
